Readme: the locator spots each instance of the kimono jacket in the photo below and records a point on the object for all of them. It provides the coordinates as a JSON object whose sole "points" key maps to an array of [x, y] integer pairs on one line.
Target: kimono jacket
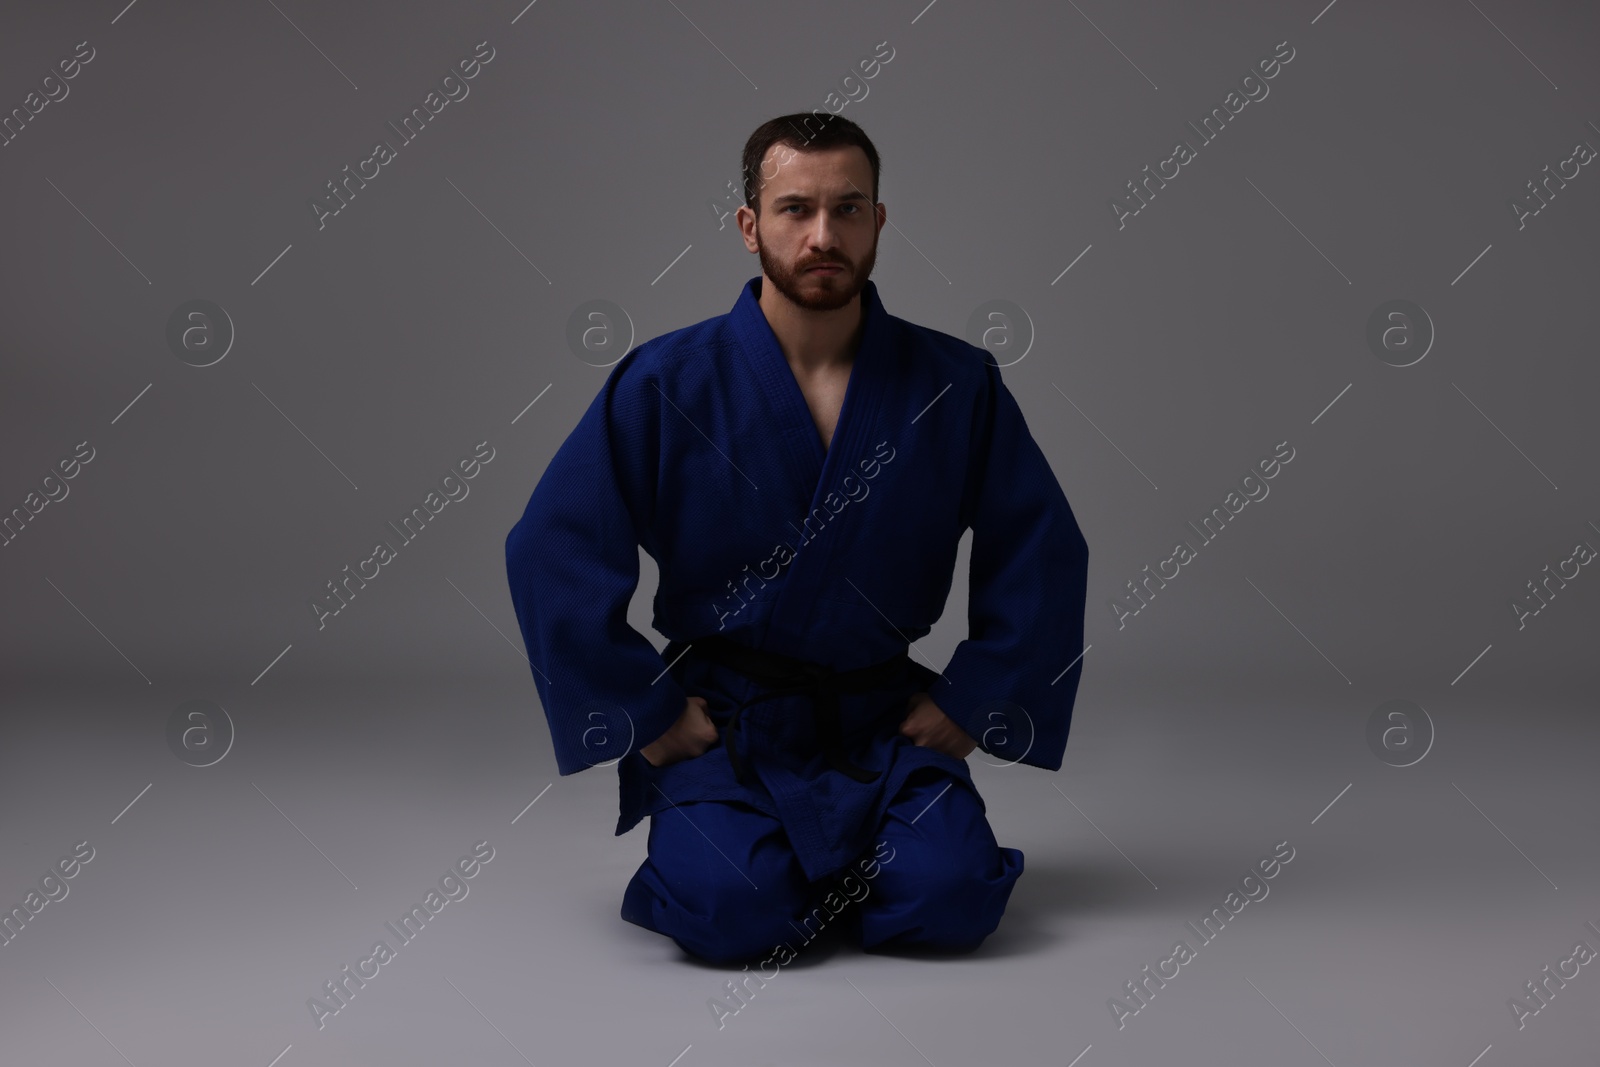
{"points": [[700, 449]]}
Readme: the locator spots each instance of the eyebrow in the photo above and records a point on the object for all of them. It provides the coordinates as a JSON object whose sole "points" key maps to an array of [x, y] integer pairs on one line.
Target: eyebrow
{"points": [[797, 198]]}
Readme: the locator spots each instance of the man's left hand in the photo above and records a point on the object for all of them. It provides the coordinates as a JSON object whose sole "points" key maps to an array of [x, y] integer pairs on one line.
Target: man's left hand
{"points": [[930, 727]]}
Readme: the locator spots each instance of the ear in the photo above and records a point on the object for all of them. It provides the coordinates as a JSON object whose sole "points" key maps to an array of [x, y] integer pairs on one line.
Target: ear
{"points": [[746, 220]]}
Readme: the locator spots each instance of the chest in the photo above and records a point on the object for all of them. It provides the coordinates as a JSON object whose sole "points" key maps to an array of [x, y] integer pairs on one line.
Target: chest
{"points": [[824, 393]]}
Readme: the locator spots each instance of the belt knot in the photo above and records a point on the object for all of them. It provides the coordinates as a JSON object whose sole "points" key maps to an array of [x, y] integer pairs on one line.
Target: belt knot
{"points": [[788, 676]]}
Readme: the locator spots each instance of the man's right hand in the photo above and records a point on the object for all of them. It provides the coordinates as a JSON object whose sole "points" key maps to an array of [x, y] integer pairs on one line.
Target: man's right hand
{"points": [[690, 736]]}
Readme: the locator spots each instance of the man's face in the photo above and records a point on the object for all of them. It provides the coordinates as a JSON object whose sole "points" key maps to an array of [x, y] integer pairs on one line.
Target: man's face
{"points": [[817, 234]]}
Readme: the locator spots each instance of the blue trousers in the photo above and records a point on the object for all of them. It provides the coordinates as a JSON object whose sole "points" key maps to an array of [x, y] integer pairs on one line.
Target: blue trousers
{"points": [[722, 881]]}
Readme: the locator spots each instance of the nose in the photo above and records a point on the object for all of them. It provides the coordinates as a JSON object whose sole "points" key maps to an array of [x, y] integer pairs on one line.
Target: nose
{"points": [[823, 236]]}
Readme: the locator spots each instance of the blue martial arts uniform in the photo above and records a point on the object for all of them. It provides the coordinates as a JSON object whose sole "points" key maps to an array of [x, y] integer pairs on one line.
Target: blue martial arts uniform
{"points": [[825, 564]]}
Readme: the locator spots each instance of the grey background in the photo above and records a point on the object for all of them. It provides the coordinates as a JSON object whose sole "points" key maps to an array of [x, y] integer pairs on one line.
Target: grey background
{"points": [[1227, 716]]}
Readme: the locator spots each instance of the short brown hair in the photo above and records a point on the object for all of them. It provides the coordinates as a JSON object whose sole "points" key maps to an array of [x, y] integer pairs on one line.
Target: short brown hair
{"points": [[803, 131]]}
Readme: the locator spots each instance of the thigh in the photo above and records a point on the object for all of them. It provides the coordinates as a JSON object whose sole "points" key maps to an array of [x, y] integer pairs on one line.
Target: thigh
{"points": [[936, 810], [722, 849], [934, 837], [721, 880], [939, 878]]}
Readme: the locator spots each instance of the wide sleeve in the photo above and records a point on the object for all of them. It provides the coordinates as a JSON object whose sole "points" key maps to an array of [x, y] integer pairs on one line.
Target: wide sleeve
{"points": [[1012, 683], [572, 561]]}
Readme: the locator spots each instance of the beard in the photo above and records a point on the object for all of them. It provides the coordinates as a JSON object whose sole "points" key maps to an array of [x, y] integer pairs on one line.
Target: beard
{"points": [[818, 292]]}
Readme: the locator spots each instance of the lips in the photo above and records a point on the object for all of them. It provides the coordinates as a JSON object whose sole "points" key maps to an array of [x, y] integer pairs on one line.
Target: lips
{"points": [[825, 268]]}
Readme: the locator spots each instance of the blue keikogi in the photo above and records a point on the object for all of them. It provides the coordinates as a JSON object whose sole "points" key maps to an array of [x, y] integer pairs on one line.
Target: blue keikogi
{"points": [[700, 448]]}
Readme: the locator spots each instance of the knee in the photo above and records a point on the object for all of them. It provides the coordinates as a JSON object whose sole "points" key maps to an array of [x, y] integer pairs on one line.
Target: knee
{"points": [[724, 913], [950, 899], [970, 888], [729, 920], [960, 876], [951, 856]]}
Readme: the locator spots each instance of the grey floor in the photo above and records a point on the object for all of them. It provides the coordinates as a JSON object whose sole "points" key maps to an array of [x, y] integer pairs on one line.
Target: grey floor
{"points": [[1395, 159], [1418, 902]]}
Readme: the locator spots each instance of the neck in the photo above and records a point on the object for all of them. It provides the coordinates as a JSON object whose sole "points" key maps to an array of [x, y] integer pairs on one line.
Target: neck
{"points": [[812, 340]]}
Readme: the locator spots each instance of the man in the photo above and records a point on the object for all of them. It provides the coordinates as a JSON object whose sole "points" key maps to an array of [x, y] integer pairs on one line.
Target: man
{"points": [[802, 470]]}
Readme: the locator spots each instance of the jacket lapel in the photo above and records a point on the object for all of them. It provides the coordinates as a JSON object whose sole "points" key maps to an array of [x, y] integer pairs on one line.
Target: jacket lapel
{"points": [[817, 471]]}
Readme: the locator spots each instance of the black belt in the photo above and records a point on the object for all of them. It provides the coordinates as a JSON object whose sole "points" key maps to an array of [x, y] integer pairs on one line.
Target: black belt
{"points": [[786, 676]]}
